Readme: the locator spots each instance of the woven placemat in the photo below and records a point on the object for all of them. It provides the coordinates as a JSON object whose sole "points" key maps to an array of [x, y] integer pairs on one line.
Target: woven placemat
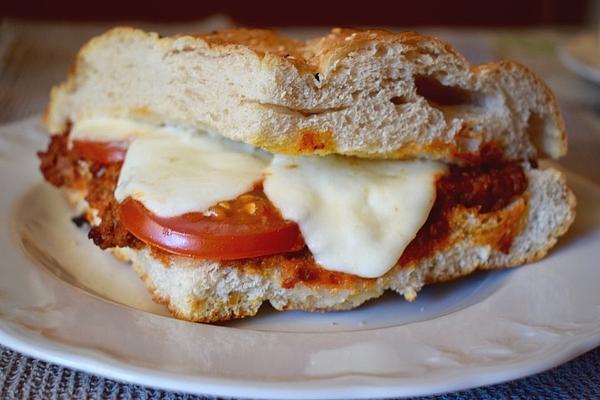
{"points": [[23, 377]]}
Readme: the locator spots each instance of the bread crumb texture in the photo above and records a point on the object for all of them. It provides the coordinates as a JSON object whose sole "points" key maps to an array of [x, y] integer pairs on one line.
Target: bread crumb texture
{"points": [[367, 93]]}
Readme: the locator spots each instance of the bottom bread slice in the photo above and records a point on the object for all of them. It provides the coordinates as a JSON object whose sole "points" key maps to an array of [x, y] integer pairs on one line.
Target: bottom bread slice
{"points": [[209, 291]]}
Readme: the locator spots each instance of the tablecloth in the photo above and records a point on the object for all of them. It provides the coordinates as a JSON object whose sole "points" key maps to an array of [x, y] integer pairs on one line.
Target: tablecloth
{"points": [[33, 56]]}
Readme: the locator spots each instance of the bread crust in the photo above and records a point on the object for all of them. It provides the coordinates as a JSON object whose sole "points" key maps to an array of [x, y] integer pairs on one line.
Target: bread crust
{"points": [[351, 92]]}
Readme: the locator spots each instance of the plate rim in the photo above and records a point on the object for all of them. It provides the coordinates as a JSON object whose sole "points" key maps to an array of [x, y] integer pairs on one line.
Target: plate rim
{"points": [[125, 373]]}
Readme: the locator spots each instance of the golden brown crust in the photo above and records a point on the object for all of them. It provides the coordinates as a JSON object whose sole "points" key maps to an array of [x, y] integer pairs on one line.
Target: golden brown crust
{"points": [[312, 55]]}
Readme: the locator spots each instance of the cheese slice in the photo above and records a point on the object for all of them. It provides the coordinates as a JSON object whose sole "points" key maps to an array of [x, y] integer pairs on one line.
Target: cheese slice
{"points": [[172, 176], [106, 129], [356, 216]]}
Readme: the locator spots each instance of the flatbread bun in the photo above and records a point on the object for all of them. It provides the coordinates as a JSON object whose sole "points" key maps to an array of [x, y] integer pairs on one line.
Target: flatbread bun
{"points": [[371, 94]]}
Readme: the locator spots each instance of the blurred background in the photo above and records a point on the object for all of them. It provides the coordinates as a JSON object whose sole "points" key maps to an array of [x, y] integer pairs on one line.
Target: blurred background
{"points": [[314, 12]]}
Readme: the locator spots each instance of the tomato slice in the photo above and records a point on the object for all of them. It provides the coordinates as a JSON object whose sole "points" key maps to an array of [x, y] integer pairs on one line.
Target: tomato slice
{"points": [[249, 226], [102, 152]]}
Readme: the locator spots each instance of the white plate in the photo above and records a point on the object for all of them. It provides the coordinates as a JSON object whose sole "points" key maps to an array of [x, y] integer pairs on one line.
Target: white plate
{"points": [[582, 55], [64, 301]]}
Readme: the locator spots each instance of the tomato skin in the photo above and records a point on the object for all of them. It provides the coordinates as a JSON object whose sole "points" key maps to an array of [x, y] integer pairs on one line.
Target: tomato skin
{"points": [[102, 152], [199, 236], [231, 236]]}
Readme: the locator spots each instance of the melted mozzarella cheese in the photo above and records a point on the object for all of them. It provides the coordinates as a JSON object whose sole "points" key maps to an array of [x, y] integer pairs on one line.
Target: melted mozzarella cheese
{"points": [[173, 176], [106, 129], [356, 216]]}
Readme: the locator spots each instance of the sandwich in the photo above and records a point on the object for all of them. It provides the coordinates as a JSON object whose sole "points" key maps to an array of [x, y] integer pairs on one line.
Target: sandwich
{"points": [[238, 167]]}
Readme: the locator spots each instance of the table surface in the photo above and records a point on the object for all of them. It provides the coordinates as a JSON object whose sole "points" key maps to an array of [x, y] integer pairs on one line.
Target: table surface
{"points": [[33, 56]]}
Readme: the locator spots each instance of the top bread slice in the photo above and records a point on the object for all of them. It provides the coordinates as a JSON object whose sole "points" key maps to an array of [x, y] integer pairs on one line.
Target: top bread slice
{"points": [[370, 94]]}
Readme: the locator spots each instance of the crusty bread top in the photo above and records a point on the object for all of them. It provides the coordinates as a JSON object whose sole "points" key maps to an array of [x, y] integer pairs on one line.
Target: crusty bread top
{"points": [[365, 93]]}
